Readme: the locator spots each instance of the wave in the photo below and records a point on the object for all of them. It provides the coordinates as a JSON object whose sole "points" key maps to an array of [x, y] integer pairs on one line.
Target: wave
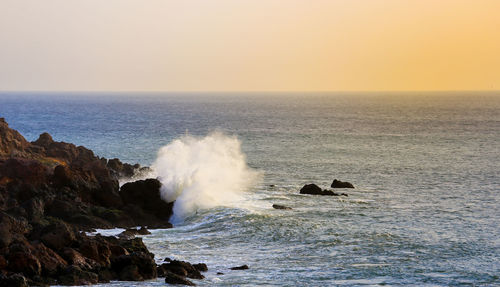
{"points": [[203, 172]]}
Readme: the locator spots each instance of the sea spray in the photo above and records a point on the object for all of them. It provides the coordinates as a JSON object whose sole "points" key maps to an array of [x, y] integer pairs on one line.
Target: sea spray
{"points": [[201, 173]]}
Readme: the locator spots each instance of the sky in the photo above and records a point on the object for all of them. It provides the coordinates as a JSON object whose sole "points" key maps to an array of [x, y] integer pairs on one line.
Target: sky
{"points": [[249, 45]]}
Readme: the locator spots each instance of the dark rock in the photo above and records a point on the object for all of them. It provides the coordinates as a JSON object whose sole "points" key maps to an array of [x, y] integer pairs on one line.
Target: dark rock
{"points": [[277, 206], [24, 262], [143, 231], [50, 261], [73, 275], [140, 264], [179, 267], [167, 259], [3, 262], [146, 195], [220, 273], [121, 170], [341, 184], [202, 267], [130, 233], [97, 250], [316, 190], [14, 280], [134, 245], [58, 235], [75, 258], [242, 267], [311, 189], [12, 143], [172, 278]]}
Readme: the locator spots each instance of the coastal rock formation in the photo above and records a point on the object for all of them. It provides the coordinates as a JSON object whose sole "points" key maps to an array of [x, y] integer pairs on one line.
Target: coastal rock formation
{"points": [[341, 184], [316, 190], [52, 191]]}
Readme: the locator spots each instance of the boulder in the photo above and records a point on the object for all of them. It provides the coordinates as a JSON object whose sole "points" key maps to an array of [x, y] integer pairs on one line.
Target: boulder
{"points": [[341, 184], [311, 189], [146, 195], [135, 266]]}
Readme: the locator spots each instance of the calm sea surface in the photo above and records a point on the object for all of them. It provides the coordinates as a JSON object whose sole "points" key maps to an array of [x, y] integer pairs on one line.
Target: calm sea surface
{"points": [[425, 211]]}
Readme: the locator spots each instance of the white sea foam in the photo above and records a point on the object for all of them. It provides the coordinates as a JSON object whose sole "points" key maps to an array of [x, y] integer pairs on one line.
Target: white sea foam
{"points": [[201, 173]]}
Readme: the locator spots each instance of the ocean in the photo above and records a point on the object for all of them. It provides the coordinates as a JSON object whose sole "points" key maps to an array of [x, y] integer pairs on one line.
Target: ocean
{"points": [[425, 210]]}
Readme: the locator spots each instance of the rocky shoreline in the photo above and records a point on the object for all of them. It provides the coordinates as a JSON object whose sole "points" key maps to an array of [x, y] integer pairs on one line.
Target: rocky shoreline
{"points": [[52, 192]]}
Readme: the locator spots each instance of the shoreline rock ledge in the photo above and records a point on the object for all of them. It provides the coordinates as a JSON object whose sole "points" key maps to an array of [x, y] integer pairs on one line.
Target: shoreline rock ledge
{"points": [[50, 193]]}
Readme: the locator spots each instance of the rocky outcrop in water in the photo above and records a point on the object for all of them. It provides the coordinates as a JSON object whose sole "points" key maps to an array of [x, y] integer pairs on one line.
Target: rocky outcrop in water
{"points": [[51, 191], [316, 190], [278, 206], [341, 184]]}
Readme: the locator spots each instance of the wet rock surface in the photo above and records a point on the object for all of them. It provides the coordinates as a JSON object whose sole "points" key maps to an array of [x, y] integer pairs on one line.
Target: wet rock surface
{"points": [[341, 184], [52, 191], [316, 190], [278, 206]]}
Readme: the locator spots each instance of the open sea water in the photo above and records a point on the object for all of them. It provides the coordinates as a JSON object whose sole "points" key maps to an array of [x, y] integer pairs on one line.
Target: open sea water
{"points": [[425, 210]]}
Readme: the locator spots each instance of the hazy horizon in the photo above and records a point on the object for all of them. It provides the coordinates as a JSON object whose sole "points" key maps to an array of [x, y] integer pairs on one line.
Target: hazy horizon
{"points": [[249, 46]]}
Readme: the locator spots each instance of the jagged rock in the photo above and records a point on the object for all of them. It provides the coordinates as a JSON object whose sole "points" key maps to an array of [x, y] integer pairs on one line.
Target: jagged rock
{"points": [[75, 258], [50, 261], [341, 184], [120, 169], [277, 206], [48, 191], [12, 143], [172, 278]]}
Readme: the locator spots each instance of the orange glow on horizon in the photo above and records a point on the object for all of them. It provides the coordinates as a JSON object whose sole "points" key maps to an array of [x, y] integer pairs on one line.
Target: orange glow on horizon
{"points": [[249, 45]]}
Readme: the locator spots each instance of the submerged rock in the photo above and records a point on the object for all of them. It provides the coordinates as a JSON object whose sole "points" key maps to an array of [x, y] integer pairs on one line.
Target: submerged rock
{"points": [[341, 184], [242, 267], [277, 206], [316, 190]]}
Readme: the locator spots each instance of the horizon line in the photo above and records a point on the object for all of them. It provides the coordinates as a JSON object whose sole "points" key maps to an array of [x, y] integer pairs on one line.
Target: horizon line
{"points": [[240, 91]]}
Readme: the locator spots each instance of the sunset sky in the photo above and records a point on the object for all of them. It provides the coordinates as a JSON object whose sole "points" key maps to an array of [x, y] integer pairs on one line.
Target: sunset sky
{"points": [[249, 45]]}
